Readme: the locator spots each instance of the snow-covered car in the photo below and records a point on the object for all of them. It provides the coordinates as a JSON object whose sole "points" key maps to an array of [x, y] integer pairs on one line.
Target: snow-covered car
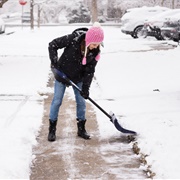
{"points": [[2, 26], [133, 20], [171, 30], [153, 25], [26, 17]]}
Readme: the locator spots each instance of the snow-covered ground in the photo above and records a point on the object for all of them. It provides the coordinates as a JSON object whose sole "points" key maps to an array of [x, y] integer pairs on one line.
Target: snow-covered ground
{"points": [[126, 77]]}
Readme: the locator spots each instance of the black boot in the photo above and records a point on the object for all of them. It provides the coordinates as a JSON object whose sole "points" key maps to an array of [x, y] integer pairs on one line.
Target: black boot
{"points": [[81, 129], [52, 130]]}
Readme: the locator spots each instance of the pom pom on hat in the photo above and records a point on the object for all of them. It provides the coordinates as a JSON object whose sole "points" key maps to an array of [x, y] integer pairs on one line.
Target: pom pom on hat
{"points": [[94, 35]]}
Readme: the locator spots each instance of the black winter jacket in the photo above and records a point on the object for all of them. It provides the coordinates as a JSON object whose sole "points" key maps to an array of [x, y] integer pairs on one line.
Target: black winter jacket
{"points": [[70, 62]]}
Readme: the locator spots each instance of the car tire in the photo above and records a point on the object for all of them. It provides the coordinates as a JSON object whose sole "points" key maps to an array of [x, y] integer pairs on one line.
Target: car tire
{"points": [[165, 36], [158, 34], [137, 32]]}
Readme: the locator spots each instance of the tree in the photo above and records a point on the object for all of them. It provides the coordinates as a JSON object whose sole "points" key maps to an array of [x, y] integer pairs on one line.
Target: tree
{"points": [[173, 4], [94, 10], [51, 11], [162, 2], [32, 13], [2, 2], [78, 14]]}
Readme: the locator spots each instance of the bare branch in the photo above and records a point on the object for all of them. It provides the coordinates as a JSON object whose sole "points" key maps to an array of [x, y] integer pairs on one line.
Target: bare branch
{"points": [[2, 2]]}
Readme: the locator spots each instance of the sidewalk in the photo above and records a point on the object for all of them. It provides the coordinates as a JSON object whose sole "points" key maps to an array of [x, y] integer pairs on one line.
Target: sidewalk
{"points": [[71, 157]]}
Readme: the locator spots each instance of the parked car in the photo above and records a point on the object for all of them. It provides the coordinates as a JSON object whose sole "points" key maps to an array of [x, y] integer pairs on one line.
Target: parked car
{"points": [[2, 26], [26, 17], [152, 26], [171, 30], [133, 20]]}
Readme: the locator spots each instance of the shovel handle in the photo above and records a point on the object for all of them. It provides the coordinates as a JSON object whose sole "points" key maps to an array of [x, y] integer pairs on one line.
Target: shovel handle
{"points": [[61, 74], [74, 85], [111, 117]]}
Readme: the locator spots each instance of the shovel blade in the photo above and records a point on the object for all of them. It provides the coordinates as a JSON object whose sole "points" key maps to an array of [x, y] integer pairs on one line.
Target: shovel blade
{"points": [[118, 126]]}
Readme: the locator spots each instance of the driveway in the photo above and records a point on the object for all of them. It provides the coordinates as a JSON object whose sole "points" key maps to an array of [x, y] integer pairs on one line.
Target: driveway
{"points": [[71, 157]]}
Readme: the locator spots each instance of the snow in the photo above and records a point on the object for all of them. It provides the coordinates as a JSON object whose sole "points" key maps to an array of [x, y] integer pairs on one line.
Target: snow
{"points": [[127, 78]]}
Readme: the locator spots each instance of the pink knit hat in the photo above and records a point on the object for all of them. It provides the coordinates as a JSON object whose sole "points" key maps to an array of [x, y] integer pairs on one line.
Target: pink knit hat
{"points": [[94, 35]]}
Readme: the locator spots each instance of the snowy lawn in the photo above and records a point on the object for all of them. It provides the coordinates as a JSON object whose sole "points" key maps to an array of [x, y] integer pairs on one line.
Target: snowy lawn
{"points": [[126, 77]]}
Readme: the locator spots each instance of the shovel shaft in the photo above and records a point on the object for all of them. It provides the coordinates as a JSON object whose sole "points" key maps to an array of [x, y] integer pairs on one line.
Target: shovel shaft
{"points": [[99, 107], [112, 117]]}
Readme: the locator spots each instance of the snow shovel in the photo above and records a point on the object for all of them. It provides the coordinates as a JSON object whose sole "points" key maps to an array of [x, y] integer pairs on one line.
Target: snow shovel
{"points": [[111, 115]]}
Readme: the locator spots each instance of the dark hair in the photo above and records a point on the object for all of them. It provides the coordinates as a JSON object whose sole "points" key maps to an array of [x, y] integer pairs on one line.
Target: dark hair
{"points": [[83, 46]]}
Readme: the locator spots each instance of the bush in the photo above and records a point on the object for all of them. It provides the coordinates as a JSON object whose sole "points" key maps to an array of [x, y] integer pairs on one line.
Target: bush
{"points": [[79, 14]]}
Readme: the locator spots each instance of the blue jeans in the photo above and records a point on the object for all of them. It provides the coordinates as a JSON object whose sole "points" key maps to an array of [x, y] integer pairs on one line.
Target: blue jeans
{"points": [[59, 89]]}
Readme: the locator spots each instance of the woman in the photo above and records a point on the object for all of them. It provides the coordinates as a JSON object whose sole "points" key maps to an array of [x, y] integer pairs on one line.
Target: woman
{"points": [[77, 62]]}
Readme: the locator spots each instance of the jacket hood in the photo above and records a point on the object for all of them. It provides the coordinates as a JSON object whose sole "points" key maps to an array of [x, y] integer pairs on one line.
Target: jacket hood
{"points": [[79, 34]]}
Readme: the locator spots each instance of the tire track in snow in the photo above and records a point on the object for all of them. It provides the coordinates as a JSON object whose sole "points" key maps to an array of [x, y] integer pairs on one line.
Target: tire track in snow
{"points": [[10, 119]]}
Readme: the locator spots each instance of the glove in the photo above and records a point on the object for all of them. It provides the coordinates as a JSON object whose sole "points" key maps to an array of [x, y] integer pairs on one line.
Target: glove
{"points": [[85, 94]]}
